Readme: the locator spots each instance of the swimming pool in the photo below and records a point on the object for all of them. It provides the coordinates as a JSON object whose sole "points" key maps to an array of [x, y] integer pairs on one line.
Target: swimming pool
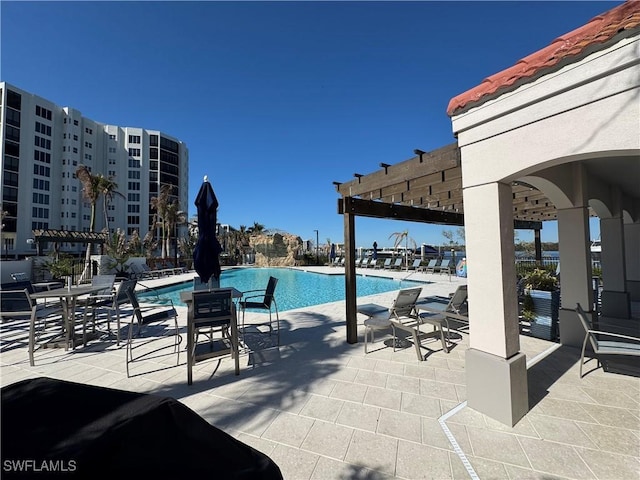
{"points": [[296, 288]]}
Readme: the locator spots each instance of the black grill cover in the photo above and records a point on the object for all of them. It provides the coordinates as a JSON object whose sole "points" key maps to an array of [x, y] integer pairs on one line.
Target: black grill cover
{"points": [[92, 432]]}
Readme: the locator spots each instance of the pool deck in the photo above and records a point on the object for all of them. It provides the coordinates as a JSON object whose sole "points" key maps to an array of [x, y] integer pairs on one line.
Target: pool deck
{"points": [[323, 409]]}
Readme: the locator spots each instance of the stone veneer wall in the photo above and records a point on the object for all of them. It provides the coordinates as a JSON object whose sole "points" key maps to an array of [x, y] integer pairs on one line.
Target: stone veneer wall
{"points": [[277, 250]]}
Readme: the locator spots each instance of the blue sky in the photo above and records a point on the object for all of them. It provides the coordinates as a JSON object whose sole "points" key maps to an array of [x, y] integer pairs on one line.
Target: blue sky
{"points": [[276, 100]]}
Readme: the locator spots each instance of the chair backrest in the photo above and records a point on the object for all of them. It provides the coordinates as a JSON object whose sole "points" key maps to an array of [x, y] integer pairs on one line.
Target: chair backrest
{"points": [[432, 263], [387, 262], [458, 301], [445, 263], [121, 294], [405, 303], [15, 302], [416, 263], [214, 305], [398, 262], [268, 293], [105, 281], [587, 325]]}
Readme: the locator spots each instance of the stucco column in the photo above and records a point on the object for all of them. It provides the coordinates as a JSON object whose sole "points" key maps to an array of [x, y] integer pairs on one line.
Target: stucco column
{"points": [[496, 369], [575, 272], [615, 299], [632, 259]]}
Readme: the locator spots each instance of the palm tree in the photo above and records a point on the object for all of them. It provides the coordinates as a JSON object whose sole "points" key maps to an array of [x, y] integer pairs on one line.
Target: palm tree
{"points": [[173, 217], [257, 228], [399, 237], [91, 189], [108, 189], [160, 204]]}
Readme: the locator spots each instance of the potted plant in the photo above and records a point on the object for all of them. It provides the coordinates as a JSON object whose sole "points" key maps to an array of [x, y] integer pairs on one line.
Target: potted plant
{"points": [[541, 303], [61, 268]]}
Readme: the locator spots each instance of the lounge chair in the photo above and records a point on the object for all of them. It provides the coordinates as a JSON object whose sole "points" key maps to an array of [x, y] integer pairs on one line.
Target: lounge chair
{"points": [[380, 317], [403, 315], [373, 263], [415, 265], [456, 306], [358, 262], [365, 262], [444, 267], [431, 266], [397, 264], [175, 270], [385, 265], [616, 343]]}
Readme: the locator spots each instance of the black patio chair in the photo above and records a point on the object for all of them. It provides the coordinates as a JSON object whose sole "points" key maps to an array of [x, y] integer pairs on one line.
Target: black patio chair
{"points": [[262, 299]]}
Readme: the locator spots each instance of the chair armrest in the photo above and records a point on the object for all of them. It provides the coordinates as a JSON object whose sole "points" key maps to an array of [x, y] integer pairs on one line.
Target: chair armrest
{"points": [[616, 335], [243, 298], [402, 326], [251, 291]]}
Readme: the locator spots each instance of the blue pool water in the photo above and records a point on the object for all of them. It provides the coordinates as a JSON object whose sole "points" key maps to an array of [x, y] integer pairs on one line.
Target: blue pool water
{"points": [[295, 289]]}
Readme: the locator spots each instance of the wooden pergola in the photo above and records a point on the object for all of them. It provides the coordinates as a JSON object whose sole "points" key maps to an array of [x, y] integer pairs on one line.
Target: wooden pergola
{"points": [[426, 188], [59, 236]]}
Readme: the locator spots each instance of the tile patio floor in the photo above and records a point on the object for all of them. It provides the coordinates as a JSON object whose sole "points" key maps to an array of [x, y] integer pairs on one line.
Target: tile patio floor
{"points": [[322, 409]]}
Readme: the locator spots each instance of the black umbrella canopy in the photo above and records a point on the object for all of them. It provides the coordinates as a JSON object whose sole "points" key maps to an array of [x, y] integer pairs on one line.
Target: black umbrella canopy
{"points": [[206, 256]]}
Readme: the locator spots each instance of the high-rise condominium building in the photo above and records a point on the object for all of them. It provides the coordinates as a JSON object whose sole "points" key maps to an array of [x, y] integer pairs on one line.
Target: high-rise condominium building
{"points": [[43, 145]]}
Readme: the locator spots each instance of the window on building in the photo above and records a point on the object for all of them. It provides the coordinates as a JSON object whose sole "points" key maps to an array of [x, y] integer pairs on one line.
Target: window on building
{"points": [[134, 138]]}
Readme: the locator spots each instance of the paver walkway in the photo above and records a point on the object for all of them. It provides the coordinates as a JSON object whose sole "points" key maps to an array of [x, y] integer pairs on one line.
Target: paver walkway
{"points": [[322, 409]]}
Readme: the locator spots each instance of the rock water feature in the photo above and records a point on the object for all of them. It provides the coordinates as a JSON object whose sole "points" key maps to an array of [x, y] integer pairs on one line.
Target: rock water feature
{"points": [[277, 250]]}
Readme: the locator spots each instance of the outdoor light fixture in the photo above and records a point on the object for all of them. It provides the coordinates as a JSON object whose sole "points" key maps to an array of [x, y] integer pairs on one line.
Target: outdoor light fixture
{"points": [[419, 152], [385, 166]]}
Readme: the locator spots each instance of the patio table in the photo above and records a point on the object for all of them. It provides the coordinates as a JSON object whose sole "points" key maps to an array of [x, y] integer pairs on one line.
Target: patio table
{"points": [[68, 298]]}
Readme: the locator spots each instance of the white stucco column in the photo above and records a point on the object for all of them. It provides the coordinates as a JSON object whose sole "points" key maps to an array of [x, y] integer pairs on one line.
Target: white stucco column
{"points": [[632, 259], [496, 369], [575, 272], [615, 299]]}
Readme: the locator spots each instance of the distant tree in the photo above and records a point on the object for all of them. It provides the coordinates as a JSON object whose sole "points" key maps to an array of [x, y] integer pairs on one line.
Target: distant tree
{"points": [[160, 204], [108, 188], [92, 187], [399, 238]]}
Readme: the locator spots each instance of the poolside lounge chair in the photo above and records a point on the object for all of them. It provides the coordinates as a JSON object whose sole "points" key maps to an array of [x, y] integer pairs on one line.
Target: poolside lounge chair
{"points": [[615, 343], [358, 261], [365, 262], [396, 265], [415, 265], [430, 267], [380, 317], [444, 267], [456, 306], [386, 264]]}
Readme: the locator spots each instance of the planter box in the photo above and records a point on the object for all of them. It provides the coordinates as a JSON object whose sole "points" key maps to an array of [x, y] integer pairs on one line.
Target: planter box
{"points": [[546, 306]]}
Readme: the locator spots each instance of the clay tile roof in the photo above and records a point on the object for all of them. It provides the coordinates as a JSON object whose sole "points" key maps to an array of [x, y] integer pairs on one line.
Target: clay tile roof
{"points": [[582, 40]]}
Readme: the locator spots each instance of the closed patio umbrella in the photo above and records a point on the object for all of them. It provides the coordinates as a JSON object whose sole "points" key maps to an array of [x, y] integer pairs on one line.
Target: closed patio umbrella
{"points": [[206, 255], [375, 250], [332, 252]]}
